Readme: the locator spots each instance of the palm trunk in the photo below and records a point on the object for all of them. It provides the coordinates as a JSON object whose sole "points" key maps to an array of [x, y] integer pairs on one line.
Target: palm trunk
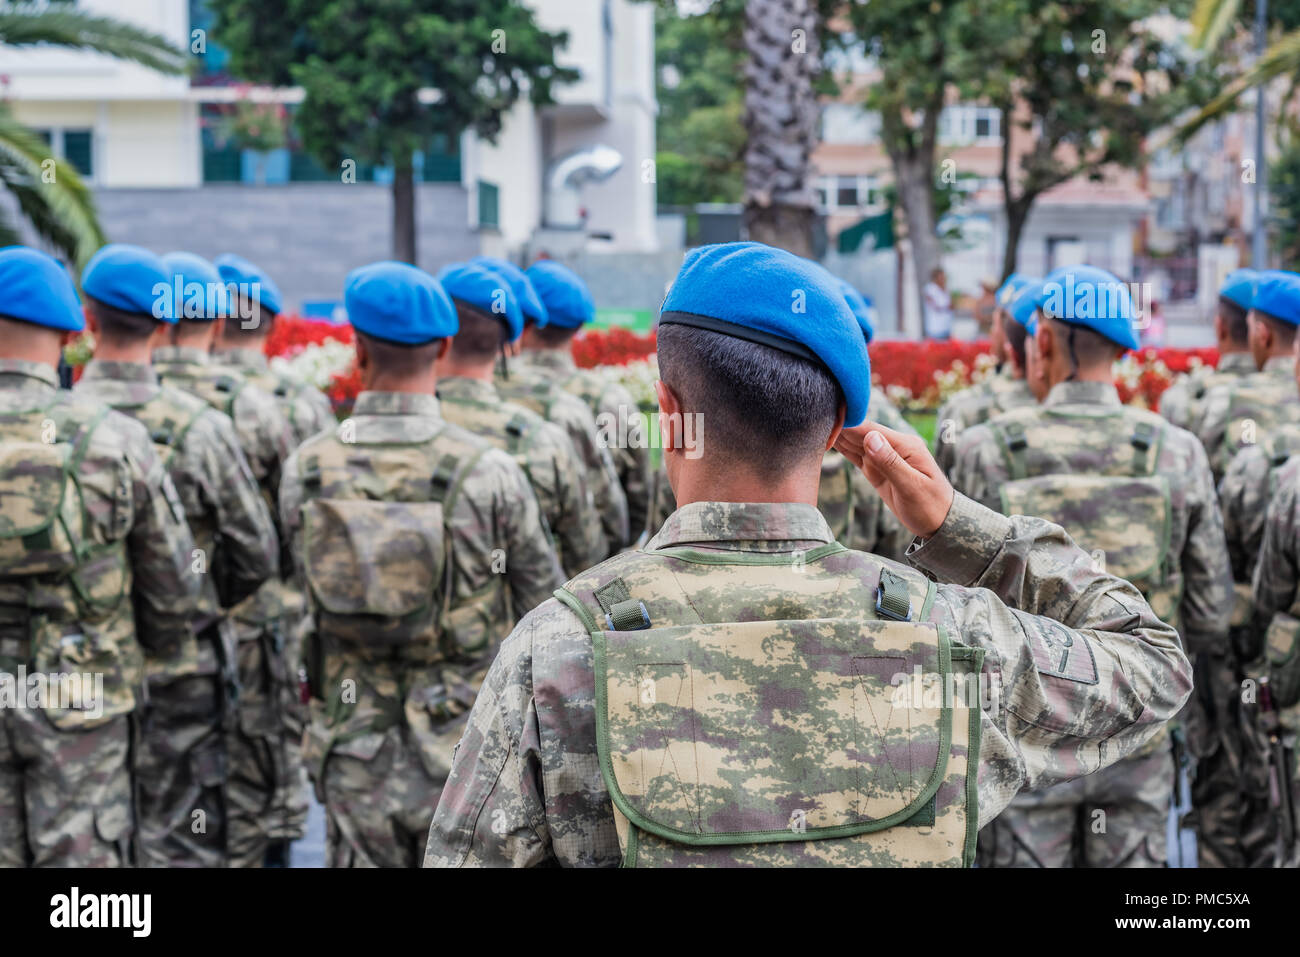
{"points": [[404, 212], [780, 119]]}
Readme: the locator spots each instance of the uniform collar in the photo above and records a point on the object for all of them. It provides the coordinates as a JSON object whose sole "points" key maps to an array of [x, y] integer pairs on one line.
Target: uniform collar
{"points": [[186, 354], [1281, 366], [735, 524], [559, 359], [1236, 362], [119, 371], [465, 388], [1082, 393], [19, 369], [395, 403], [243, 358]]}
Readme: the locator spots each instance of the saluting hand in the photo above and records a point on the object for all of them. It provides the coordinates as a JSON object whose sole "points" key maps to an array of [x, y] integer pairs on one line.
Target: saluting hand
{"points": [[903, 472]]}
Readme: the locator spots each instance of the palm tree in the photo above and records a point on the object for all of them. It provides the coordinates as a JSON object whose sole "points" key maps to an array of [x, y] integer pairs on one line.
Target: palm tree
{"points": [[48, 192]]}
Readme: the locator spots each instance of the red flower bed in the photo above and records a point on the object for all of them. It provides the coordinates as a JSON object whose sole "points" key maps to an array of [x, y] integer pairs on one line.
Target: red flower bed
{"points": [[613, 347], [291, 334], [913, 365]]}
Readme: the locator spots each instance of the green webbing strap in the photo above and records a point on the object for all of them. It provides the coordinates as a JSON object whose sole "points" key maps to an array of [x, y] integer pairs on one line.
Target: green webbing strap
{"points": [[515, 430], [630, 615], [610, 594], [232, 386], [442, 476], [1016, 443], [1144, 436], [893, 600]]}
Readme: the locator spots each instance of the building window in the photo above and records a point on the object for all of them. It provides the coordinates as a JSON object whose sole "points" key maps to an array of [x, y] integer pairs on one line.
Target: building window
{"points": [[489, 205], [847, 193], [76, 147], [848, 124], [969, 125]]}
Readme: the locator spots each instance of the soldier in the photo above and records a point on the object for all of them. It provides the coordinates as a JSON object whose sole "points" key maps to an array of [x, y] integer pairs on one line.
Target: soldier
{"points": [[266, 758], [1181, 402], [531, 388], [1005, 390], [266, 793], [547, 351], [489, 316], [1246, 410], [1138, 492], [94, 570], [421, 545], [181, 760], [764, 709]]}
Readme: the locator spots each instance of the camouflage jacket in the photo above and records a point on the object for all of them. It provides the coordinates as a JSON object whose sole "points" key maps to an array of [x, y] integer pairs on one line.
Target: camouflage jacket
{"points": [[1245, 411], [1182, 402], [136, 588], [1197, 563], [1247, 488], [972, 406], [619, 423], [1277, 572], [526, 789], [230, 522], [543, 451], [501, 565], [538, 393], [307, 408]]}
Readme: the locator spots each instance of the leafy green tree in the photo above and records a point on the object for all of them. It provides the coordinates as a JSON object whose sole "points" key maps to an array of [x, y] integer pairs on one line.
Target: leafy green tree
{"points": [[381, 78], [1284, 198], [47, 191]]}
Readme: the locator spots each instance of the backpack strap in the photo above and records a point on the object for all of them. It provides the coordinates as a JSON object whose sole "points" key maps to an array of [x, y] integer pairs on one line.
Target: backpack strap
{"points": [[622, 611], [1146, 437], [232, 387], [1015, 442], [893, 597]]}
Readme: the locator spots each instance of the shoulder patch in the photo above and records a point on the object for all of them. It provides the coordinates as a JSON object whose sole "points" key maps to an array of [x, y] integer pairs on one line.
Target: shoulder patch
{"points": [[1058, 652]]}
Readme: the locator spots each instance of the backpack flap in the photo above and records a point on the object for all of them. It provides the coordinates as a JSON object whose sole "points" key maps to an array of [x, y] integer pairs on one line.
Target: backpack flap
{"points": [[375, 568], [33, 483]]}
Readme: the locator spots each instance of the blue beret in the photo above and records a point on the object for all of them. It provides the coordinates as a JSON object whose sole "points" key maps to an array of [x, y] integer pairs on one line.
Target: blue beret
{"points": [[200, 292], [1278, 295], [252, 282], [1024, 306], [132, 279], [773, 297], [398, 303], [34, 287], [487, 291], [568, 303], [1239, 287], [1093, 299], [1008, 291], [529, 303], [860, 308]]}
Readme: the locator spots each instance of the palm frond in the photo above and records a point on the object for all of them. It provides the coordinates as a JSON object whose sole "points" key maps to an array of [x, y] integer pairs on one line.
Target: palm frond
{"points": [[1211, 20], [25, 24], [49, 193]]}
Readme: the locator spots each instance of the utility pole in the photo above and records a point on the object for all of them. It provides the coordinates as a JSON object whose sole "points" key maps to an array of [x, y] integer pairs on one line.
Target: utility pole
{"points": [[1259, 247]]}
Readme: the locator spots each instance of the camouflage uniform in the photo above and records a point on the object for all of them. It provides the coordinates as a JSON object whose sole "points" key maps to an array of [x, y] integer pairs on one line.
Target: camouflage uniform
{"points": [[266, 794], [618, 420], [546, 455], [1276, 649], [536, 392], [65, 788], [1182, 402], [182, 761], [1245, 411], [306, 407], [972, 406], [392, 678], [1084, 440], [526, 786]]}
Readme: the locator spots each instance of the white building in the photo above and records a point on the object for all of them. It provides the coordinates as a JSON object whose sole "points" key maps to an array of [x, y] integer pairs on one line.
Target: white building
{"points": [[147, 144]]}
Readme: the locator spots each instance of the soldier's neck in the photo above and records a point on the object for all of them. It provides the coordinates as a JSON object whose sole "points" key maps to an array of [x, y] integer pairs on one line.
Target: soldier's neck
{"points": [[423, 384], [700, 482], [140, 353], [483, 371]]}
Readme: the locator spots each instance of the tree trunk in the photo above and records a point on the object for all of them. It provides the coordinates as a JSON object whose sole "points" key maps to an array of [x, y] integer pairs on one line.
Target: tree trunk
{"points": [[1017, 213], [781, 115], [404, 212], [912, 153]]}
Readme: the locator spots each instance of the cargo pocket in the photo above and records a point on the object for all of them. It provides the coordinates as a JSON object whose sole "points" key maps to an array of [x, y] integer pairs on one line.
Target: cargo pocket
{"points": [[113, 818], [436, 715], [1282, 648], [81, 667]]}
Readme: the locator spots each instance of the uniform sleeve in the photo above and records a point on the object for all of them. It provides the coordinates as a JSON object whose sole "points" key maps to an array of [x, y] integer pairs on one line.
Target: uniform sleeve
{"points": [[290, 502], [978, 471], [1273, 587], [602, 478], [492, 809], [1207, 599], [1175, 403], [1212, 426], [165, 584], [532, 570], [1243, 498], [249, 545], [577, 524], [947, 430], [1078, 671], [631, 454]]}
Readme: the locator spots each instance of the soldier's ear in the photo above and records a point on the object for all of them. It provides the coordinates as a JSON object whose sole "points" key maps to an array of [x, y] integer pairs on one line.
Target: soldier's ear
{"points": [[839, 427], [363, 355], [444, 347]]}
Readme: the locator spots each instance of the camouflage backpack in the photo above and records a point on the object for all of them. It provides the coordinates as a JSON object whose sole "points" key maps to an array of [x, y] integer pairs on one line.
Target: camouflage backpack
{"points": [[1258, 406], [219, 391], [770, 709], [1094, 474], [376, 549], [63, 574]]}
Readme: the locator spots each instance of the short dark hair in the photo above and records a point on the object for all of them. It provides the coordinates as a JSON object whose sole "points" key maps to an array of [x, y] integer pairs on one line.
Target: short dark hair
{"points": [[762, 407], [119, 326], [1085, 347], [1016, 337], [1284, 331], [1234, 317], [398, 358], [260, 319], [552, 336], [481, 334]]}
